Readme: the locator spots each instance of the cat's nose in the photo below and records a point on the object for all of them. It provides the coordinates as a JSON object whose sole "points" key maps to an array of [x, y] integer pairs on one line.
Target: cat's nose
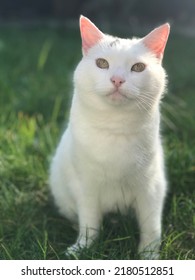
{"points": [[117, 81]]}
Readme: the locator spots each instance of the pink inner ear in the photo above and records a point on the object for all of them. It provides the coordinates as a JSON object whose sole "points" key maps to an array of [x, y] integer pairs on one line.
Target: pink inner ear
{"points": [[157, 39], [90, 34]]}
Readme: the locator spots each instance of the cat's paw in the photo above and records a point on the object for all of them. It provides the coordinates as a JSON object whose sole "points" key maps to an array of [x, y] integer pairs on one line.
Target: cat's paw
{"points": [[74, 250], [150, 252], [149, 255]]}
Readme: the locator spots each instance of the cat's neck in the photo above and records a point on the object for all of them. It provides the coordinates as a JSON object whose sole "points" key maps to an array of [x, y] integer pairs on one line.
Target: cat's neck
{"points": [[116, 119]]}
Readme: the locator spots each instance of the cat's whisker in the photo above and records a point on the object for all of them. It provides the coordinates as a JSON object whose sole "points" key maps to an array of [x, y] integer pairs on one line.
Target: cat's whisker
{"points": [[145, 100], [144, 106], [149, 105], [140, 106], [150, 99]]}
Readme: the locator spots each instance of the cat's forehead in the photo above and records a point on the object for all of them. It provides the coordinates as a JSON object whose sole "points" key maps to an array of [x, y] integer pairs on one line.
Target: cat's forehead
{"points": [[115, 43], [118, 47]]}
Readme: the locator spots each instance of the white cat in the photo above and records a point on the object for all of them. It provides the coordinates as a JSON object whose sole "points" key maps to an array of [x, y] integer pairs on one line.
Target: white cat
{"points": [[110, 156]]}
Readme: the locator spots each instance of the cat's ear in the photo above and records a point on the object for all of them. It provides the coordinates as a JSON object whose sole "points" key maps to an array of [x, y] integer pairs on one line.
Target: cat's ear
{"points": [[157, 39], [90, 34]]}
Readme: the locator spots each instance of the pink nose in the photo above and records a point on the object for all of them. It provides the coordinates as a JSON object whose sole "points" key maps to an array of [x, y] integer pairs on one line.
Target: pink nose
{"points": [[117, 81]]}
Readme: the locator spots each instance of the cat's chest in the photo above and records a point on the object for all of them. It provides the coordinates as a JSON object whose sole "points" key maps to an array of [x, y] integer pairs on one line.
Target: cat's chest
{"points": [[107, 148]]}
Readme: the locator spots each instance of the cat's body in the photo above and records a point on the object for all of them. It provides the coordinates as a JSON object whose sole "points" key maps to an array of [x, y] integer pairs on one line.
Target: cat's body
{"points": [[110, 156]]}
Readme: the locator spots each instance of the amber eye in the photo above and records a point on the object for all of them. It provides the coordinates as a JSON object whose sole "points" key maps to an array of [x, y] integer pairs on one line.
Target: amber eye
{"points": [[102, 63], [138, 67]]}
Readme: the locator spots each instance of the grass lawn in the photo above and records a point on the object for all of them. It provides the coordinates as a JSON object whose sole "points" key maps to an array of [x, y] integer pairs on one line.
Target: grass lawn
{"points": [[36, 66]]}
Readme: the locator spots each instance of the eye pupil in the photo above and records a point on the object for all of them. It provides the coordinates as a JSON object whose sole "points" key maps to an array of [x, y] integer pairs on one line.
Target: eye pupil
{"points": [[102, 63], [138, 67]]}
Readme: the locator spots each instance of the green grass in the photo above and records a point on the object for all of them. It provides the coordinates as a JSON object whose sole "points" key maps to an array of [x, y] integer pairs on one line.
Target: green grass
{"points": [[36, 67]]}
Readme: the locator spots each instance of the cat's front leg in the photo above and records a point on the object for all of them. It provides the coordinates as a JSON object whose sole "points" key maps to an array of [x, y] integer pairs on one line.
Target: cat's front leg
{"points": [[149, 213], [89, 223]]}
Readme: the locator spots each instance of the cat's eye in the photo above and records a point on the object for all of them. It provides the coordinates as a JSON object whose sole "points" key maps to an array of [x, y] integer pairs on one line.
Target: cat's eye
{"points": [[102, 63], [138, 67]]}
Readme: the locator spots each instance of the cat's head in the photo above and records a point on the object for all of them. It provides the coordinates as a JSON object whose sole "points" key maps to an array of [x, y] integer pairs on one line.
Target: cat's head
{"points": [[121, 71]]}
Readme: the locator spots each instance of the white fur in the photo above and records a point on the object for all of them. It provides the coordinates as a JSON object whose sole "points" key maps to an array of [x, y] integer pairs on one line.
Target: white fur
{"points": [[110, 156]]}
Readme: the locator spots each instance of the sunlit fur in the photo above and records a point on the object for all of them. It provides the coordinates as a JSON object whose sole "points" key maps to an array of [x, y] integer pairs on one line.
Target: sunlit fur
{"points": [[110, 156]]}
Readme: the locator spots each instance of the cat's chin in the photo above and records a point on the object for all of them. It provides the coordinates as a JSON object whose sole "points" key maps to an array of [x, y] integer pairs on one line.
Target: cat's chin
{"points": [[117, 97]]}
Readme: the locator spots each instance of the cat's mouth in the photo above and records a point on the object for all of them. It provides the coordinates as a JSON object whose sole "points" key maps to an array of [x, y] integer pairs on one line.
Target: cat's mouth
{"points": [[117, 95]]}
